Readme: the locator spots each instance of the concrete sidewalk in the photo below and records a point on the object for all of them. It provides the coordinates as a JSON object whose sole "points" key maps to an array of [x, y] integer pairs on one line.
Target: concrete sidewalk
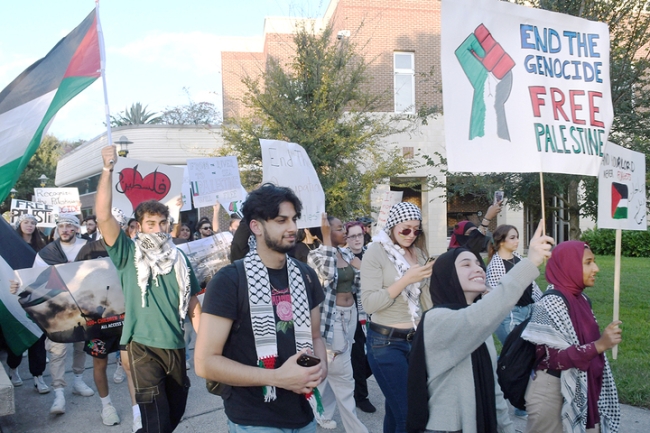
{"points": [[204, 411]]}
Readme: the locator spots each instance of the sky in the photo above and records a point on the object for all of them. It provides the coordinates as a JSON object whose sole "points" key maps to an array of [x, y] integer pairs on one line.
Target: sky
{"points": [[154, 49]]}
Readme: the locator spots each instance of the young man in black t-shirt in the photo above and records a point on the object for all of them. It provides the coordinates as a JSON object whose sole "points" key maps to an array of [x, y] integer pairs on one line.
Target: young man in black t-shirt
{"points": [[259, 318]]}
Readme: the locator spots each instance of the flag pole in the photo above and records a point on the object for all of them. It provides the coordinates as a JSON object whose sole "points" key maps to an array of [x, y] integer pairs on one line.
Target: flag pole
{"points": [[102, 56], [617, 283], [541, 188]]}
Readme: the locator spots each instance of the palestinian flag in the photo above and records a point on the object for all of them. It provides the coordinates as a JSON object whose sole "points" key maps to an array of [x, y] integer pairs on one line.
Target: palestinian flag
{"points": [[619, 201], [19, 331], [28, 105]]}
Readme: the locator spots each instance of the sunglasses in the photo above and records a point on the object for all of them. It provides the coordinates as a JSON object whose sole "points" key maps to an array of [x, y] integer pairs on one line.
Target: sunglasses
{"points": [[407, 232], [206, 228]]}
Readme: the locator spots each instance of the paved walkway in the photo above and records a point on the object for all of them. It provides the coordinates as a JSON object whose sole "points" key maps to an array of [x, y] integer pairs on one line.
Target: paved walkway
{"points": [[204, 411]]}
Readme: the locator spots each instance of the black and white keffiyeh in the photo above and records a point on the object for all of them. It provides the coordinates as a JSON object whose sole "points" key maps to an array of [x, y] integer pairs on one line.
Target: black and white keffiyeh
{"points": [[496, 270], [156, 254], [551, 325], [400, 212]]}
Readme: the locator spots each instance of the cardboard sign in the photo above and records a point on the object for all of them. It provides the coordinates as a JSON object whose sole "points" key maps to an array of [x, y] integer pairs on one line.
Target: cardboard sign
{"points": [[136, 181], [208, 255], [214, 179], [390, 198], [622, 190], [42, 212], [62, 200], [287, 164], [524, 89], [73, 301]]}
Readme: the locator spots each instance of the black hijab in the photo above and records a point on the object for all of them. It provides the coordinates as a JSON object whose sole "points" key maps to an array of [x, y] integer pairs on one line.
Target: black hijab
{"points": [[446, 292]]}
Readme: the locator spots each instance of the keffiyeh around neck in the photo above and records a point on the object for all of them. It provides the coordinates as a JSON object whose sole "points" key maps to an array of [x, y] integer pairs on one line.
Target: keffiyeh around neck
{"points": [[156, 254]]}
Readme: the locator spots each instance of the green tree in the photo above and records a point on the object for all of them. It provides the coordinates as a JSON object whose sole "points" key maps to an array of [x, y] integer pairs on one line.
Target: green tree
{"points": [[43, 162], [136, 115], [628, 23], [321, 100], [192, 113]]}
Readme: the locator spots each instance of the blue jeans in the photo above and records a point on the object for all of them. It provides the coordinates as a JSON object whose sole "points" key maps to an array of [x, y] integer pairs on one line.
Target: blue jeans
{"points": [[389, 362], [238, 428], [514, 318]]}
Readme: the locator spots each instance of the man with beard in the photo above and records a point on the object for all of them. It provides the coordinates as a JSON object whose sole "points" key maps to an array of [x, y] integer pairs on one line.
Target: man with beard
{"points": [[261, 314], [64, 250], [159, 292], [91, 229]]}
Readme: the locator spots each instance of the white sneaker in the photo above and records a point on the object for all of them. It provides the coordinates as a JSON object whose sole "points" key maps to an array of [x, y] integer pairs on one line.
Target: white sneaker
{"points": [[80, 388], [58, 407], [40, 386], [327, 424], [119, 375], [187, 365], [137, 424], [109, 415], [15, 377]]}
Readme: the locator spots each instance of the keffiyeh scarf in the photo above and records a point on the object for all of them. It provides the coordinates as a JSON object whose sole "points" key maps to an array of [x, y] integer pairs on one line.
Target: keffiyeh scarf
{"points": [[551, 325], [156, 254], [496, 270], [263, 318]]}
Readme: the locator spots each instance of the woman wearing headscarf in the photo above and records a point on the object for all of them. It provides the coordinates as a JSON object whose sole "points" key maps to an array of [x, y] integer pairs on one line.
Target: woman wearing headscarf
{"points": [[572, 388], [452, 383], [394, 290], [467, 235]]}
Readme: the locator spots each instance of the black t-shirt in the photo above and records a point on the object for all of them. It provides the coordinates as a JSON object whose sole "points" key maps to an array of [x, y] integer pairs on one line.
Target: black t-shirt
{"points": [[245, 405], [527, 297]]}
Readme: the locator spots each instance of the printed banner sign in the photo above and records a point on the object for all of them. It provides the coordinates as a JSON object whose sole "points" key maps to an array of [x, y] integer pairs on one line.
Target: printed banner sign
{"points": [[524, 89], [390, 198], [622, 190], [62, 200], [214, 179], [42, 212], [135, 181], [74, 301], [287, 164], [208, 255]]}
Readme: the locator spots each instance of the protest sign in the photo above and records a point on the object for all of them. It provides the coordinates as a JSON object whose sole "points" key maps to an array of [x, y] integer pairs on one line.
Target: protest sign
{"points": [[62, 200], [287, 164], [524, 89], [73, 301], [42, 212], [136, 181], [186, 191], [214, 179], [622, 190], [390, 198], [208, 255]]}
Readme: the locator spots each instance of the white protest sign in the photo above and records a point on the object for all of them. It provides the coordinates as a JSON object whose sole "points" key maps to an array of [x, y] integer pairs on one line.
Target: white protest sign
{"points": [[524, 89], [390, 198], [287, 164], [135, 181], [62, 200], [214, 179], [42, 212], [186, 191], [622, 190], [208, 255]]}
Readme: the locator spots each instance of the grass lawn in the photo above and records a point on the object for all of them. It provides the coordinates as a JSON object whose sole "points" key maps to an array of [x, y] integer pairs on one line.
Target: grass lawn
{"points": [[632, 368]]}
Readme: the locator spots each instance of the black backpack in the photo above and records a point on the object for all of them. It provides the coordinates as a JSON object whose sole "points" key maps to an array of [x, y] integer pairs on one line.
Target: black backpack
{"points": [[517, 361]]}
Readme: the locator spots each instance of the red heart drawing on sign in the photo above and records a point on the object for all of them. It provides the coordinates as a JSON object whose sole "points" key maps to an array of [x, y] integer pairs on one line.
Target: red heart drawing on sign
{"points": [[137, 189]]}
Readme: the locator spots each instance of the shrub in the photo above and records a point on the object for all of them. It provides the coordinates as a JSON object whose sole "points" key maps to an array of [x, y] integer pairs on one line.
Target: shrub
{"points": [[603, 242]]}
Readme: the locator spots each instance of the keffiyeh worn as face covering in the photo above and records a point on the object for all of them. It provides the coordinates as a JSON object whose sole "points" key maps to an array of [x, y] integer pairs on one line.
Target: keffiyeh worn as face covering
{"points": [[156, 254], [458, 237]]}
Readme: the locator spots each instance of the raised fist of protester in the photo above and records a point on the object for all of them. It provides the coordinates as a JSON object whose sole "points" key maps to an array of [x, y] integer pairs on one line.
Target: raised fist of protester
{"points": [[611, 336], [296, 378], [109, 156], [540, 246], [13, 286], [325, 229]]}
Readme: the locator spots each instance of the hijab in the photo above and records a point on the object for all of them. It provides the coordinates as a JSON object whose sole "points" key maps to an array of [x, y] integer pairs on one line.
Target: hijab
{"points": [[458, 237], [447, 292], [564, 271]]}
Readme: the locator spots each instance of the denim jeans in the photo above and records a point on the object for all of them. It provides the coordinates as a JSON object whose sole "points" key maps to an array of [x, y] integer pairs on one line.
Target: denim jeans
{"points": [[388, 358], [514, 318], [238, 428], [161, 385]]}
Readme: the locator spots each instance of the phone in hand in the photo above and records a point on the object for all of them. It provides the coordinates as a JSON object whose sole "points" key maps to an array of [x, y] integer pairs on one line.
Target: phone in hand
{"points": [[431, 259], [498, 196], [306, 360]]}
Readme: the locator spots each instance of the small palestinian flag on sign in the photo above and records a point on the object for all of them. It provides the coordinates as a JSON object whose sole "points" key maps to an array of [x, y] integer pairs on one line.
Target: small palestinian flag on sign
{"points": [[619, 201]]}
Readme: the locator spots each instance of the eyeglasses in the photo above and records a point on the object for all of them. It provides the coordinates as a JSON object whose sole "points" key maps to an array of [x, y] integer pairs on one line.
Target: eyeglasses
{"points": [[360, 235], [407, 232], [206, 228]]}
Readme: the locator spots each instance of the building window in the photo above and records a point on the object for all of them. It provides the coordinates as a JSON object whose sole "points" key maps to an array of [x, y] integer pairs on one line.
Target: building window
{"points": [[408, 152], [404, 82]]}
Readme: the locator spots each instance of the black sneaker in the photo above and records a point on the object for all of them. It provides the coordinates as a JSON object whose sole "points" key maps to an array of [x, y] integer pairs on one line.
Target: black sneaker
{"points": [[366, 406]]}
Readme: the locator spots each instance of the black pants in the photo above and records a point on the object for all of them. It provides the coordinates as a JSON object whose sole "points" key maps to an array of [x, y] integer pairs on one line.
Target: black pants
{"points": [[360, 368], [37, 357], [161, 385]]}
